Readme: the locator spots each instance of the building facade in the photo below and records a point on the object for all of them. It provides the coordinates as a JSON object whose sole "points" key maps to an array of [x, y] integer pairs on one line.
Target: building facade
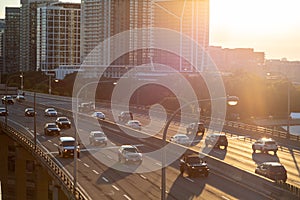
{"points": [[28, 25], [2, 27], [102, 20], [57, 36], [11, 40], [191, 19]]}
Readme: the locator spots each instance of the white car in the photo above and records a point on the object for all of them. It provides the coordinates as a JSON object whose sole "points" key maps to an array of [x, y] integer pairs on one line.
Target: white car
{"points": [[129, 153], [99, 115], [181, 139], [265, 145], [98, 138], [135, 124], [50, 112]]}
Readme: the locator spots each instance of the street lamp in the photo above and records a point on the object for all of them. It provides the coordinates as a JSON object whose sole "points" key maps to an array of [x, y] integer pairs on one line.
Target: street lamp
{"points": [[22, 81], [231, 100]]}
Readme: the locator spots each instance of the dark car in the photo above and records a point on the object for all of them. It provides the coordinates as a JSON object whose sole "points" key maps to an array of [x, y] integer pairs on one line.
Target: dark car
{"points": [[29, 112], [8, 99], [194, 166], [51, 129], [125, 116], [63, 122], [216, 140], [3, 112], [196, 128], [273, 170]]}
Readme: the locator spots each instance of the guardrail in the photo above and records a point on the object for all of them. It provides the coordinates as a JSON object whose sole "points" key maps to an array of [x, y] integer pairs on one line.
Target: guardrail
{"points": [[65, 180]]}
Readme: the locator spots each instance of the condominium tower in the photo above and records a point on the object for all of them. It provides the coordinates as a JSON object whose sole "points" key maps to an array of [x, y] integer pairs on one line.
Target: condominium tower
{"points": [[57, 36]]}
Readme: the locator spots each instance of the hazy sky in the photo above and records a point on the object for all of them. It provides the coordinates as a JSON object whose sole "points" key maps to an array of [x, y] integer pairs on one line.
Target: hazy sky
{"points": [[271, 26]]}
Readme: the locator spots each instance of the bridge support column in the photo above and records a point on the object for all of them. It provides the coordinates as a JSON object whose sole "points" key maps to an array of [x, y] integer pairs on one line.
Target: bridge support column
{"points": [[42, 183], [4, 164], [58, 194], [21, 184]]}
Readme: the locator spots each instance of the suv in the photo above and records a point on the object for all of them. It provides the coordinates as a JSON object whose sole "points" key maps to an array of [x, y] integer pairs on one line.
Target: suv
{"points": [[193, 165], [195, 128], [63, 122], [129, 153], [125, 116], [216, 140], [272, 170], [51, 129], [67, 146], [265, 145], [8, 99], [98, 138]]}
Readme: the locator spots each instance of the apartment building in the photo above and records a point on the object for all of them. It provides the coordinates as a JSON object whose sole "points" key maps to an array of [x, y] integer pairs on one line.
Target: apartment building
{"points": [[57, 36]]}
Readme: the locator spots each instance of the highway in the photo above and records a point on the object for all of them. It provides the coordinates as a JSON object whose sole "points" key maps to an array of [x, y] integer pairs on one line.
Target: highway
{"points": [[104, 182]]}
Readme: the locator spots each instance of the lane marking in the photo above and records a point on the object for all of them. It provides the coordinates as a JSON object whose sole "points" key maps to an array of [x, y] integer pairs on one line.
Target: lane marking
{"points": [[223, 197], [144, 177], [158, 164], [127, 197], [189, 179], [43, 137], [115, 187], [95, 172], [109, 156], [55, 144], [86, 165], [105, 179], [50, 141], [78, 159]]}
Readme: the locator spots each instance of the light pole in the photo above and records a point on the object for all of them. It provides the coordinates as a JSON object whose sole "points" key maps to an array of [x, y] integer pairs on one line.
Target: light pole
{"points": [[22, 81], [231, 101]]}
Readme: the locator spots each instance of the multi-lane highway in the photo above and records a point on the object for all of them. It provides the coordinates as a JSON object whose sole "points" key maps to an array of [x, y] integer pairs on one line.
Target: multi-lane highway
{"points": [[103, 182]]}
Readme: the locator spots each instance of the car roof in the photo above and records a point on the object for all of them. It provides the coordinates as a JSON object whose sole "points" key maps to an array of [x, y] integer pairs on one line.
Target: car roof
{"points": [[134, 121], [192, 155], [180, 134], [50, 123], [217, 134], [266, 139], [29, 108], [63, 139], [62, 118], [93, 132], [50, 108], [272, 163], [128, 146]]}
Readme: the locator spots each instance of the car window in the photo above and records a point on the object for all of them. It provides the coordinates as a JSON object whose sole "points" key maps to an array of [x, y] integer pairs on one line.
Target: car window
{"points": [[51, 126], [130, 150], [193, 160], [98, 134], [68, 143]]}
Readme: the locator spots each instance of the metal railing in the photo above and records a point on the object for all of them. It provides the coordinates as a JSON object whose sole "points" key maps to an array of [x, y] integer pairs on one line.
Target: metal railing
{"points": [[57, 171]]}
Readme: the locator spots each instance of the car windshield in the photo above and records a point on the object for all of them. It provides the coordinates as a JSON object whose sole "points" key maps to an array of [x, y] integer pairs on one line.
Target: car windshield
{"points": [[51, 126], [29, 109], [193, 160], [130, 150], [68, 143], [182, 137], [135, 123], [270, 143], [63, 119], [51, 110], [278, 169], [2, 109], [99, 134]]}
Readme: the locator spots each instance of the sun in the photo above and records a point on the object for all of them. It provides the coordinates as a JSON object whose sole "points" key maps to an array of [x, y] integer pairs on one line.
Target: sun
{"points": [[254, 17]]}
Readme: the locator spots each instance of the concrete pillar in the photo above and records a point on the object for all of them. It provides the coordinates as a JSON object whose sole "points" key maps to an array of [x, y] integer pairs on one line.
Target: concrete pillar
{"points": [[4, 163], [21, 156], [42, 182], [58, 194]]}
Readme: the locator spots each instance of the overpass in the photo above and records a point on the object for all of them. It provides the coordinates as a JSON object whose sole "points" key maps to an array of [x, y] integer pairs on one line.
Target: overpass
{"points": [[99, 180]]}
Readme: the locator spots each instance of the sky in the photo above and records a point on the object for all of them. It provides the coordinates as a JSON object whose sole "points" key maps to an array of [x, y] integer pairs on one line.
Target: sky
{"points": [[270, 26]]}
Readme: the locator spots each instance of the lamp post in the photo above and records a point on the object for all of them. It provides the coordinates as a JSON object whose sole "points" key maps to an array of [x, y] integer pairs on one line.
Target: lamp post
{"points": [[231, 101], [22, 81]]}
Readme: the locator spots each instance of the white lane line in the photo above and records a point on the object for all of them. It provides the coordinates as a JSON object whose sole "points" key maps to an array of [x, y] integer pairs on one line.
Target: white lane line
{"points": [[105, 179], [50, 141], [78, 159], [158, 164], [189, 179], [144, 177], [55, 144], [113, 143], [109, 156], [86, 165], [115, 187], [95, 172], [223, 197], [127, 197], [43, 137]]}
